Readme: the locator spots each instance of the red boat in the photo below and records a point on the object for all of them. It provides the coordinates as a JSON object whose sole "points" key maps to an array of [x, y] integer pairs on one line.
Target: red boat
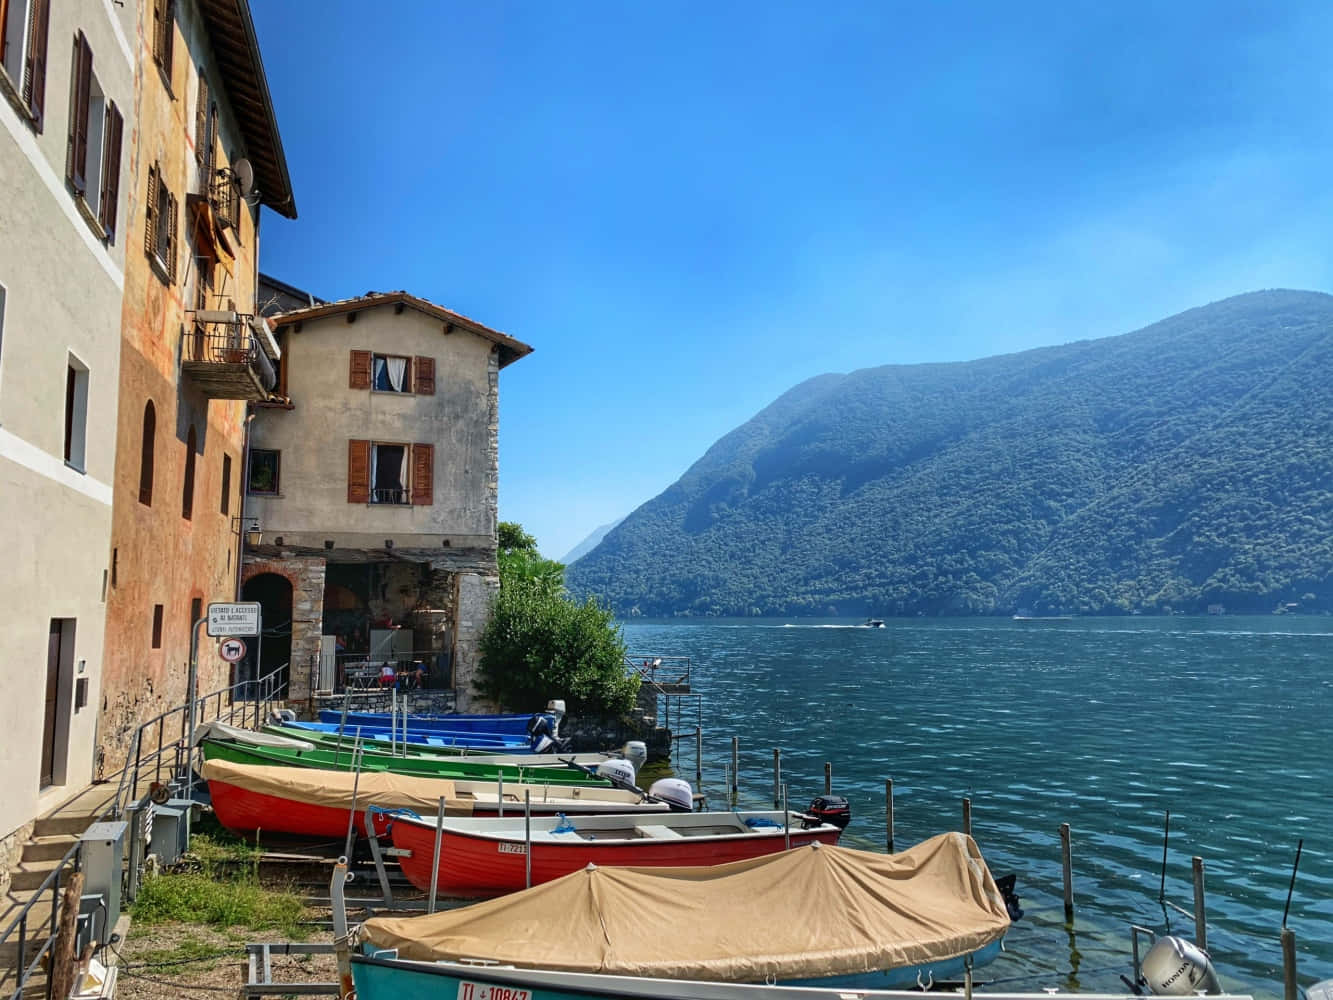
{"points": [[314, 803], [487, 857]]}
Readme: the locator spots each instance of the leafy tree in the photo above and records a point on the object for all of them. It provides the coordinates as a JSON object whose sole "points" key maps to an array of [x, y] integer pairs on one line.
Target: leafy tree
{"points": [[539, 644]]}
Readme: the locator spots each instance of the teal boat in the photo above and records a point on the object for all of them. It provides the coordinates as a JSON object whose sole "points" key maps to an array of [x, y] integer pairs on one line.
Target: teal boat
{"points": [[326, 759]]}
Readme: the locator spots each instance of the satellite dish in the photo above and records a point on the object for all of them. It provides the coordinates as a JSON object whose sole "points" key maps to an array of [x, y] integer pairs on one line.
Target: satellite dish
{"points": [[245, 173]]}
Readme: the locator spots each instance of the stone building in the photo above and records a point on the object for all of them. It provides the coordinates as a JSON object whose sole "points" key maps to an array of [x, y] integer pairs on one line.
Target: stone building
{"points": [[67, 114], [207, 155], [374, 479]]}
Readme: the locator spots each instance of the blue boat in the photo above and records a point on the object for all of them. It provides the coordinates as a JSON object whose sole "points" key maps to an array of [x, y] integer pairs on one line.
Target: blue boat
{"points": [[512, 725], [491, 742], [817, 916]]}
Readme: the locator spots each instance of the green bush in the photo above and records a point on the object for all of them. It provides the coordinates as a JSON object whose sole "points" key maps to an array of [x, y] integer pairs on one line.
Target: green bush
{"points": [[540, 645]]}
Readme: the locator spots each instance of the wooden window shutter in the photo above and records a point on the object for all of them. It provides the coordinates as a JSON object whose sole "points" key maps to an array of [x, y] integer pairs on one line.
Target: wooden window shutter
{"points": [[210, 147], [34, 76], [171, 237], [358, 471], [200, 117], [168, 37], [150, 214], [423, 474], [358, 376], [76, 151], [423, 370], [4, 20], [115, 128]]}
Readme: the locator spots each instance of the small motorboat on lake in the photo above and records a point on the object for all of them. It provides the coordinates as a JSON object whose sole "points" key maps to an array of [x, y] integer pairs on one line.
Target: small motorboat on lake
{"points": [[873, 623]]}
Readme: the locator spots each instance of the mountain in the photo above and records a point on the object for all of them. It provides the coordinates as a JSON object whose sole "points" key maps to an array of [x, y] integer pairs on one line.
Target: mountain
{"points": [[1184, 465], [588, 544]]}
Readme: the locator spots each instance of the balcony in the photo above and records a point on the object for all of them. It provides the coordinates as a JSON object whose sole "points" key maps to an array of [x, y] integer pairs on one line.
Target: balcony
{"points": [[230, 355], [224, 193]]}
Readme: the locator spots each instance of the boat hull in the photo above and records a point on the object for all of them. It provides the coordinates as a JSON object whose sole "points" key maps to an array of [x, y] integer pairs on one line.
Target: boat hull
{"points": [[443, 767], [383, 978], [487, 742], [477, 865], [330, 741], [513, 725]]}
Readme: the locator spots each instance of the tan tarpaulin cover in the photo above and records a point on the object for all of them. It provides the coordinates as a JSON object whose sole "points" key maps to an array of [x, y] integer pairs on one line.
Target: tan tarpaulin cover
{"points": [[800, 914], [334, 788]]}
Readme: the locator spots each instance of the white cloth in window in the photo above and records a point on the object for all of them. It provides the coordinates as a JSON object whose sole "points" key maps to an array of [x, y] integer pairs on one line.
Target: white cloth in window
{"points": [[379, 381], [397, 369]]}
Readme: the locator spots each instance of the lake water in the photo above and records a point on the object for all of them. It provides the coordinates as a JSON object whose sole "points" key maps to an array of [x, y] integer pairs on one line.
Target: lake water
{"points": [[1104, 724]]}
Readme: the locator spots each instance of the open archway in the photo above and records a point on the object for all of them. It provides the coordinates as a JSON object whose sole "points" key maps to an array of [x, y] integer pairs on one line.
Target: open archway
{"points": [[274, 595]]}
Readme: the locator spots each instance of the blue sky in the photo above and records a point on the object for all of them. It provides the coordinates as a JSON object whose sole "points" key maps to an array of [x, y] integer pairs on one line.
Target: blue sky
{"points": [[688, 208]]}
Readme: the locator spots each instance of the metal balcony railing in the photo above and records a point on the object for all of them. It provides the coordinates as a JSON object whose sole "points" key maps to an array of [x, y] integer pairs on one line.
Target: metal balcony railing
{"points": [[225, 194], [233, 343], [398, 496]]}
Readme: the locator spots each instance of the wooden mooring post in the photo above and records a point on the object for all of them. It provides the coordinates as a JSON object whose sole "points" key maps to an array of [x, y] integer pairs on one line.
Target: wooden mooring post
{"points": [[735, 789], [888, 813], [828, 777], [967, 815], [1068, 865], [698, 756], [1290, 991], [777, 777], [1200, 914]]}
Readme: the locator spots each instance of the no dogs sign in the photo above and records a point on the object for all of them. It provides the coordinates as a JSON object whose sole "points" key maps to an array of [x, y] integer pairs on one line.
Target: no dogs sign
{"points": [[231, 650]]}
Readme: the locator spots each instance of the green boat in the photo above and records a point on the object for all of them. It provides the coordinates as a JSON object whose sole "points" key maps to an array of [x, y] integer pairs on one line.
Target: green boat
{"points": [[331, 740], [326, 759]]}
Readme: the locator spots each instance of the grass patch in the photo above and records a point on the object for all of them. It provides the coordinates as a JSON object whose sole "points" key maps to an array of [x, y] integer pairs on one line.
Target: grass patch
{"points": [[189, 951]]}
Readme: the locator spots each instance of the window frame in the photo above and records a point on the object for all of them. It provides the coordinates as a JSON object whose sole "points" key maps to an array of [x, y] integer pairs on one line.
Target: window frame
{"points": [[77, 378], [277, 473], [147, 453], [405, 462], [408, 374], [161, 218], [187, 483], [93, 144], [29, 21], [226, 485]]}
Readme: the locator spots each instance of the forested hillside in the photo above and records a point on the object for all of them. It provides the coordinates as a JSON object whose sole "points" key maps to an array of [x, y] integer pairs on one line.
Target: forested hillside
{"points": [[1186, 464]]}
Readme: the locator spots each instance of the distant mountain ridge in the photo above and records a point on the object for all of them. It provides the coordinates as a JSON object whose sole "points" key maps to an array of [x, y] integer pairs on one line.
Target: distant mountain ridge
{"points": [[1184, 465], [588, 544]]}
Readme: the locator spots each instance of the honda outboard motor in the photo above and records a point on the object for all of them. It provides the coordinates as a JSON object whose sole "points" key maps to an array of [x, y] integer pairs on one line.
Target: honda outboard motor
{"points": [[542, 736], [833, 809], [1175, 967], [636, 752], [675, 792], [619, 772], [556, 707]]}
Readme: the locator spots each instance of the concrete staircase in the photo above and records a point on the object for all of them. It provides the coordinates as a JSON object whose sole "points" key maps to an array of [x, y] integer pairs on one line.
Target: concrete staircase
{"points": [[53, 836]]}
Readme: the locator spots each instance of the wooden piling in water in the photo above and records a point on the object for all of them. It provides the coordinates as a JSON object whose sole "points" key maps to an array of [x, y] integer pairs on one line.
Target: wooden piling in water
{"points": [[1068, 864], [828, 778], [698, 756], [967, 815], [777, 778], [735, 768], [888, 812], [1289, 987], [1200, 914]]}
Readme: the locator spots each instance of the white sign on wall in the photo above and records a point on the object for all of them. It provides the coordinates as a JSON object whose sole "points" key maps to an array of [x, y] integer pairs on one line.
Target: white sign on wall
{"points": [[233, 619]]}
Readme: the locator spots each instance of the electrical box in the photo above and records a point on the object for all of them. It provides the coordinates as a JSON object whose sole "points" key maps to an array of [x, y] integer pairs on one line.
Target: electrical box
{"points": [[102, 858], [167, 836]]}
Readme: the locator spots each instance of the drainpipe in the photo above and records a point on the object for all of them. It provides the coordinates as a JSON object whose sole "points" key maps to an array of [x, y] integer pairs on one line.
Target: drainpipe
{"points": [[245, 492]]}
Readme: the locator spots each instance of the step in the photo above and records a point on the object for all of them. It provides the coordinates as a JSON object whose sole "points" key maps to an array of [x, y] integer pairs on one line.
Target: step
{"points": [[29, 875], [62, 825], [48, 848]]}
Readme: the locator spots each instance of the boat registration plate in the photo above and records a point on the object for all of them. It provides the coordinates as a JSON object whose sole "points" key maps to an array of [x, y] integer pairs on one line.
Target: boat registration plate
{"points": [[508, 848], [468, 990]]}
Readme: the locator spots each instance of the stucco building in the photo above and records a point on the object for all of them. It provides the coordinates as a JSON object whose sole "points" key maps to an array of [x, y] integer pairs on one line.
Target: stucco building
{"points": [[207, 156], [374, 479], [66, 117]]}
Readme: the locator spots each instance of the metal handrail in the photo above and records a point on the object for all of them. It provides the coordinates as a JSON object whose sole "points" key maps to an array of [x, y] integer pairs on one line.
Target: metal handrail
{"points": [[659, 670]]}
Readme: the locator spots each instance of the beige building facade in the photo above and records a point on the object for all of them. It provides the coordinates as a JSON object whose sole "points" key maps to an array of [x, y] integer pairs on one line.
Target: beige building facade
{"points": [[375, 484], [66, 121]]}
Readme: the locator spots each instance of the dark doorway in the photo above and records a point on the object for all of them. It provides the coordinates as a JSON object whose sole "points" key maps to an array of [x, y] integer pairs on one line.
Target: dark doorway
{"points": [[274, 595], [55, 721]]}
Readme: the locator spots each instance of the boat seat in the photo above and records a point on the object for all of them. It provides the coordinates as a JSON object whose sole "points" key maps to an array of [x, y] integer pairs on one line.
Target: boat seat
{"points": [[657, 831]]}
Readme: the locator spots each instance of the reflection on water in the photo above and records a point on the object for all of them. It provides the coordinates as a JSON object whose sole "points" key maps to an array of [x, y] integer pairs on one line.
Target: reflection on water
{"points": [[1101, 723]]}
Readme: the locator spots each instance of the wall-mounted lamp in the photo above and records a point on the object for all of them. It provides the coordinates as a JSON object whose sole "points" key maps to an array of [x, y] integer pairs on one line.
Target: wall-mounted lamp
{"points": [[254, 535]]}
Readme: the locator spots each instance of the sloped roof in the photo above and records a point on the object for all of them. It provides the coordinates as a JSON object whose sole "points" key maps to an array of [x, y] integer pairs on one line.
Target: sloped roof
{"points": [[231, 30], [510, 349]]}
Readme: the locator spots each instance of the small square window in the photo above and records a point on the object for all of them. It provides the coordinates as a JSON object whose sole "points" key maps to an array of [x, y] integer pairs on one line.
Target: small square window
{"points": [[265, 465], [390, 373], [157, 626]]}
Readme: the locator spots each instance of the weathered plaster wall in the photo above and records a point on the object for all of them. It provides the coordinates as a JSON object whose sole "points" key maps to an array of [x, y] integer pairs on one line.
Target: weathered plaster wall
{"points": [[160, 556], [61, 297], [459, 419]]}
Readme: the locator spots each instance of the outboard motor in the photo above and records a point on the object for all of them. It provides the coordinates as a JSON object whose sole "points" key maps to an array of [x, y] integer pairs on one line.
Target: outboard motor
{"points": [[619, 772], [1175, 967], [542, 736], [1008, 886], [676, 792], [636, 752], [833, 809], [556, 707]]}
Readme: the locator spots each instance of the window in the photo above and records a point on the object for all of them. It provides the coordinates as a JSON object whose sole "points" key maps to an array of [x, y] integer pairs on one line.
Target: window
{"points": [[147, 449], [76, 413], [159, 240], [390, 373], [187, 492], [157, 626], [23, 30], [201, 117], [196, 612], [387, 473], [226, 484], [164, 36], [264, 467], [92, 153]]}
